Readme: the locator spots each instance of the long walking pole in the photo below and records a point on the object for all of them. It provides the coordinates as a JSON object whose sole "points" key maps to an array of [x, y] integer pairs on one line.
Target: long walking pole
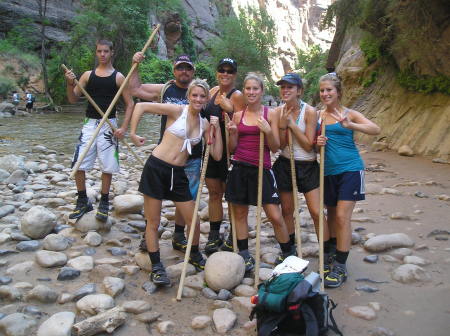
{"points": [[322, 166], [294, 196], [194, 220], [258, 208], [230, 206], [99, 110], [111, 106]]}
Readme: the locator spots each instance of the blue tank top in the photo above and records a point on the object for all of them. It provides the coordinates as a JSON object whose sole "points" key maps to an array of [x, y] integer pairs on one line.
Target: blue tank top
{"points": [[341, 153]]}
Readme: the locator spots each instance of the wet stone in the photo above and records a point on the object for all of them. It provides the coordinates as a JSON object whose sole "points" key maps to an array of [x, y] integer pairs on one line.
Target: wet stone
{"points": [[128, 229], [17, 236], [117, 251], [4, 280], [149, 287], [31, 310], [89, 251], [137, 225], [372, 259], [367, 289], [224, 295], [68, 273], [6, 252], [28, 246], [209, 293], [87, 289]]}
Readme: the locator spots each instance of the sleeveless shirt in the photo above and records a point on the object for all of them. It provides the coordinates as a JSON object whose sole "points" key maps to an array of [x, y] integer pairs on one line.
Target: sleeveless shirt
{"points": [[102, 90]]}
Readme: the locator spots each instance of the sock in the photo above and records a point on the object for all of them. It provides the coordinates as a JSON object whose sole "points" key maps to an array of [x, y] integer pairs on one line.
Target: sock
{"points": [[242, 244], [82, 194], [333, 242], [341, 257], [104, 198], [285, 247], [154, 257], [194, 249], [326, 246], [215, 226], [292, 238], [179, 228]]}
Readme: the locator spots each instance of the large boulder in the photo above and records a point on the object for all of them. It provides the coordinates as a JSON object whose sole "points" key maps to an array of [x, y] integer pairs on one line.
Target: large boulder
{"points": [[387, 241], [59, 324], [11, 163], [17, 324], [224, 270], [38, 222], [95, 303], [128, 204], [89, 223]]}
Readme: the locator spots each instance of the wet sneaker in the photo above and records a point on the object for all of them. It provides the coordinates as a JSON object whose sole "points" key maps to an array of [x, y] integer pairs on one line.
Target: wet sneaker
{"points": [[328, 263], [196, 259], [159, 276], [248, 261], [228, 244], [282, 256], [102, 211], [213, 244], [336, 277], [83, 206], [179, 242]]}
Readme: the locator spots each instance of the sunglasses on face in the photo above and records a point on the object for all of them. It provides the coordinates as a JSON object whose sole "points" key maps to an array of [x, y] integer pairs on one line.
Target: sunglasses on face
{"points": [[228, 71], [184, 68]]}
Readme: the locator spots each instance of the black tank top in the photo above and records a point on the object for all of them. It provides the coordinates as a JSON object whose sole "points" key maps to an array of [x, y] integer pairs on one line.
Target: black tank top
{"points": [[102, 90]]}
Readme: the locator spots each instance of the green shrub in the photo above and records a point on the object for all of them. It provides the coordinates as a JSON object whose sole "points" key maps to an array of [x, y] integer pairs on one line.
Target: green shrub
{"points": [[205, 71], [424, 84], [155, 70], [6, 86], [371, 48], [370, 79]]}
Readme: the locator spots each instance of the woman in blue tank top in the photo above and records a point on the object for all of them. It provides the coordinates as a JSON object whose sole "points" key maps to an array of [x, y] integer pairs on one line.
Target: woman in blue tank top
{"points": [[344, 174]]}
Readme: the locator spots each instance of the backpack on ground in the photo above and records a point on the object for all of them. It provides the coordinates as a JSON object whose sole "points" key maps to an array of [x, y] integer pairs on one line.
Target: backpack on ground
{"points": [[283, 309]]}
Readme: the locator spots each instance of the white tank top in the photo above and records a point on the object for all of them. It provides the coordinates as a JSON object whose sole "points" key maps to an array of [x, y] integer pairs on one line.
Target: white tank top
{"points": [[299, 153], [179, 129]]}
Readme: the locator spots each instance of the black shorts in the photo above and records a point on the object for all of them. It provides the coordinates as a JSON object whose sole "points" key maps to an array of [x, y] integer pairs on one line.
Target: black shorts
{"points": [[217, 169], [29, 105], [242, 185], [307, 175], [347, 186], [162, 180]]}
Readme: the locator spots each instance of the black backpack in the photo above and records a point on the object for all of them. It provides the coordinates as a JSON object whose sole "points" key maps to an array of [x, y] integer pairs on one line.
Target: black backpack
{"points": [[308, 312]]}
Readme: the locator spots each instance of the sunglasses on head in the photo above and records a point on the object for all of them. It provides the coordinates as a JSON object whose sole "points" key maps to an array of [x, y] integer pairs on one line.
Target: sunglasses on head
{"points": [[184, 67], [229, 71]]}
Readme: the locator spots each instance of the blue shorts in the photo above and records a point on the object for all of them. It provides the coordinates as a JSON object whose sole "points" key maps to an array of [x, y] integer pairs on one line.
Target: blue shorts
{"points": [[192, 171], [347, 186]]}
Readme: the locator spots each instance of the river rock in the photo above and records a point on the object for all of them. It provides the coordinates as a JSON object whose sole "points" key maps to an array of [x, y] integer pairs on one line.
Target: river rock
{"points": [[379, 331], [38, 222], [387, 241], [89, 223], [409, 273], [224, 295], [11, 163], [401, 253], [165, 327], [149, 287], [17, 324], [42, 294], [95, 303], [125, 204], [87, 289], [68, 273], [200, 322], [148, 317], [405, 150], [195, 281], [10, 293], [415, 260], [101, 271], [4, 237], [17, 176], [117, 251], [224, 270], [174, 271], [28, 246], [50, 258], [136, 307], [372, 259], [209, 293], [55, 242], [378, 146], [4, 280], [82, 263], [399, 216], [363, 312], [59, 324], [243, 302], [264, 274], [6, 210], [244, 290], [93, 239], [224, 319], [3, 175], [189, 292], [113, 286], [20, 268]]}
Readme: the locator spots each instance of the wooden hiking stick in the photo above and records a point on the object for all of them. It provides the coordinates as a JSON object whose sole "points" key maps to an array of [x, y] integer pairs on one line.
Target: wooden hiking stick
{"points": [[321, 188], [294, 195], [99, 110], [194, 219], [258, 208], [230, 206], [111, 106]]}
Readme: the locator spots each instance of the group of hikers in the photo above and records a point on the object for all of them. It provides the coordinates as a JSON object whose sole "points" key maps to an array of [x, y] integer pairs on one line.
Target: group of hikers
{"points": [[228, 120], [29, 101]]}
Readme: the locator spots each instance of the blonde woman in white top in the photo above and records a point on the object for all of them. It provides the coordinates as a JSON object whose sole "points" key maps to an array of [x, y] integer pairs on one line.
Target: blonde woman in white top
{"points": [[163, 176], [301, 119]]}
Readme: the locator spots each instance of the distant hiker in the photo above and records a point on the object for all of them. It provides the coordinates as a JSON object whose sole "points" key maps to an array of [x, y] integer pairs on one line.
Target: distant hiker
{"points": [[15, 101], [102, 84], [29, 97], [344, 172], [242, 181], [164, 175], [300, 119], [225, 98], [173, 92]]}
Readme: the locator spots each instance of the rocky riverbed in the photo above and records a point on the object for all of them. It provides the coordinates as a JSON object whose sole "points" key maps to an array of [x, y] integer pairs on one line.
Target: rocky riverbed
{"points": [[59, 276]]}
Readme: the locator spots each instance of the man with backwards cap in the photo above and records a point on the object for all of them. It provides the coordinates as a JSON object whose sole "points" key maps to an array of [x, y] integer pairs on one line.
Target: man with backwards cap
{"points": [[301, 119], [225, 98], [172, 92]]}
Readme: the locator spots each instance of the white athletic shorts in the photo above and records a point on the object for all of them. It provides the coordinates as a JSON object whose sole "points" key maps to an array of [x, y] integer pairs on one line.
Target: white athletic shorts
{"points": [[105, 147]]}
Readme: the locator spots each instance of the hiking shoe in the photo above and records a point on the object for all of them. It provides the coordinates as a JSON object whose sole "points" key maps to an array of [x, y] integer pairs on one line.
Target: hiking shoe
{"points": [[83, 206], [282, 256], [328, 263], [248, 261], [228, 244], [159, 276], [179, 242], [213, 244], [196, 259], [102, 211], [336, 277]]}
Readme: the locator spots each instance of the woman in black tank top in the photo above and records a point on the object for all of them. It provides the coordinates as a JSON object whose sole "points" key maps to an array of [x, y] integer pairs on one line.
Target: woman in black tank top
{"points": [[225, 99]]}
